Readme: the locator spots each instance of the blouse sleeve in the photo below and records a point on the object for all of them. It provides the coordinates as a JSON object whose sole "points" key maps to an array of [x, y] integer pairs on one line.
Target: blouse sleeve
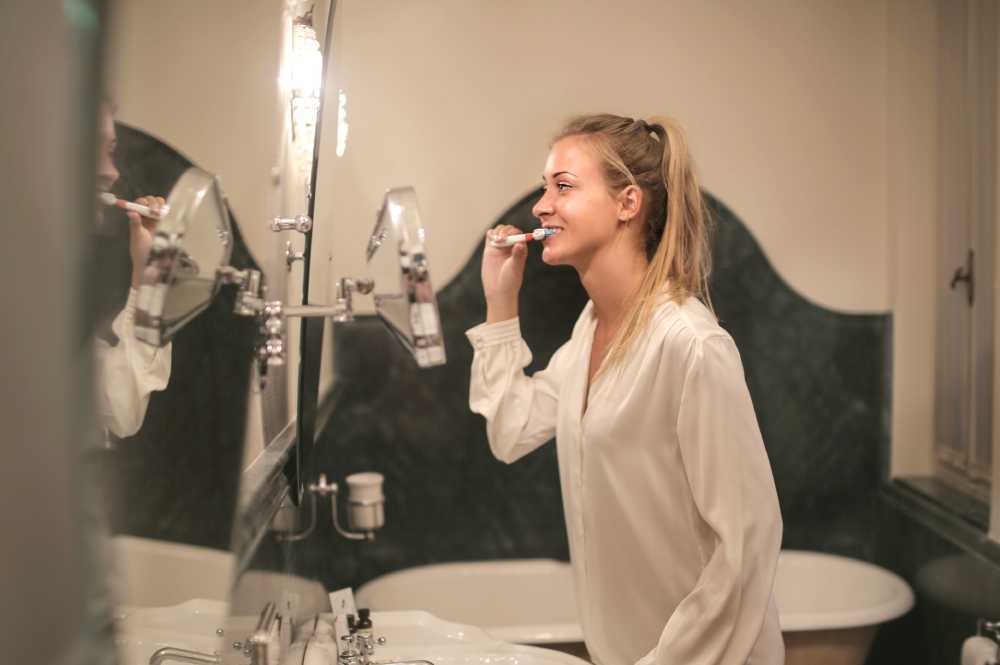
{"points": [[127, 373], [727, 468], [520, 411]]}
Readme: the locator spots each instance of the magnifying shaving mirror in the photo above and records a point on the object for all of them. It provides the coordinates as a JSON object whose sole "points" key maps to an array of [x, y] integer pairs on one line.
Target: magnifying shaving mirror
{"points": [[191, 246], [398, 268]]}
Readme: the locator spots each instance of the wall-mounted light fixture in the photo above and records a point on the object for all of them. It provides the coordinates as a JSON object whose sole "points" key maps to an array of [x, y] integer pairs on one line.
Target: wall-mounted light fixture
{"points": [[306, 82]]}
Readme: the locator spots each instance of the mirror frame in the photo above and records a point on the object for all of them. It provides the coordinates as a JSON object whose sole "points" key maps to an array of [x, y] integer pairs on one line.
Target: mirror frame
{"points": [[281, 469], [299, 467]]}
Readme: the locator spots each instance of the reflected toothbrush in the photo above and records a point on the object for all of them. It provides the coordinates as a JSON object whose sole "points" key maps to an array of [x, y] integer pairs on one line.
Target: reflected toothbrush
{"points": [[537, 234], [109, 199]]}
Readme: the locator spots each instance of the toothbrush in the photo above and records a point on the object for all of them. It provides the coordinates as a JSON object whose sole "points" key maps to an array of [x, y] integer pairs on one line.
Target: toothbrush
{"points": [[107, 198], [537, 234]]}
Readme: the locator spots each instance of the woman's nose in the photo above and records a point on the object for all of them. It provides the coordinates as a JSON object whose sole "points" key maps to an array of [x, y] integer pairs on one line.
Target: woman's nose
{"points": [[107, 173], [543, 207]]}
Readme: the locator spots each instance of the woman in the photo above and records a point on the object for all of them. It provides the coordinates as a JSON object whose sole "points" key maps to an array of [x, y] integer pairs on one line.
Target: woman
{"points": [[671, 510], [128, 371]]}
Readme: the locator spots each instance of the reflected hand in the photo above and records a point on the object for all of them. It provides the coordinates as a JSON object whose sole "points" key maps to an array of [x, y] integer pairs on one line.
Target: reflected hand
{"points": [[140, 235], [503, 274]]}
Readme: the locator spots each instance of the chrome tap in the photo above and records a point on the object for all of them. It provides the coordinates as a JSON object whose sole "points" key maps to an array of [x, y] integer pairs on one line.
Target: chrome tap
{"points": [[366, 645], [359, 645], [349, 655]]}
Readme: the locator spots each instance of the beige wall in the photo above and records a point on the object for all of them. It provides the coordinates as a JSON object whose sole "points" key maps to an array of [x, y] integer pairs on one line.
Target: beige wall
{"points": [[785, 103], [913, 177], [814, 121], [203, 77]]}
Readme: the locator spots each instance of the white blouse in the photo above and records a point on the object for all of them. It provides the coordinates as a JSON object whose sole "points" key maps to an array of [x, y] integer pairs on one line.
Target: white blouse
{"points": [[670, 505], [127, 374]]}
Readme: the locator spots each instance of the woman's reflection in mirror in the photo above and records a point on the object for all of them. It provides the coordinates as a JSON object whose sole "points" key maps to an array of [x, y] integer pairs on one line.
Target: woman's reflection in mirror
{"points": [[128, 370], [671, 510]]}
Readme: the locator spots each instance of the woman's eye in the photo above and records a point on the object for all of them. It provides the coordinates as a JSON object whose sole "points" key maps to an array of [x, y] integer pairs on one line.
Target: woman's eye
{"points": [[563, 186]]}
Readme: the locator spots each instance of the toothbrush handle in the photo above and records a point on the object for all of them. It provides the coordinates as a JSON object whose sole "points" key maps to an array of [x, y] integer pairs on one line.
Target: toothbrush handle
{"points": [[145, 211], [511, 240]]}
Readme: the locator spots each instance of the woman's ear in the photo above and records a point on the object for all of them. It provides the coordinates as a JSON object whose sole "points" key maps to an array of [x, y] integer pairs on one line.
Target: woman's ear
{"points": [[629, 202]]}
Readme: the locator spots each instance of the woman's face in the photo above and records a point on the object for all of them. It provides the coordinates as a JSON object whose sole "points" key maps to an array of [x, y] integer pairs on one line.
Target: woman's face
{"points": [[576, 200], [107, 174]]}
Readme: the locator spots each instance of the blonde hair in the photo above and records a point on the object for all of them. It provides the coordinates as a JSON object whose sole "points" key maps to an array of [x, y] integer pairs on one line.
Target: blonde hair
{"points": [[654, 156]]}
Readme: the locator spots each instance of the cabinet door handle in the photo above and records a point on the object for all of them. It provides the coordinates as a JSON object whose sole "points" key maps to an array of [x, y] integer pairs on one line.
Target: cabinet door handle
{"points": [[965, 274]]}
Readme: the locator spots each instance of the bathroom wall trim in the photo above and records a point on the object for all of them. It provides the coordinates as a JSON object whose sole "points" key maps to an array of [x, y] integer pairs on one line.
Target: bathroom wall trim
{"points": [[934, 513], [963, 506]]}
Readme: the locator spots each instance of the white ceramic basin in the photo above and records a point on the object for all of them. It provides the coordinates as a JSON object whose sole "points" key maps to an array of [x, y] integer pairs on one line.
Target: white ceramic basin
{"points": [[141, 631], [417, 635]]}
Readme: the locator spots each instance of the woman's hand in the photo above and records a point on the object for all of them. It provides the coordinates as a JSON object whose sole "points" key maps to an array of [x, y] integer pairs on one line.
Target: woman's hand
{"points": [[503, 273], [140, 235]]}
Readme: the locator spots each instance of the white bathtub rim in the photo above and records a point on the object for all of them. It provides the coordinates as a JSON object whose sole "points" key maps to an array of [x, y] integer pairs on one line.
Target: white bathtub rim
{"points": [[873, 615], [474, 568], [900, 603]]}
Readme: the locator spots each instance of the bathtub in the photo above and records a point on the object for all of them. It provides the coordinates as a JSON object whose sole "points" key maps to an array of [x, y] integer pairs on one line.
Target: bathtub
{"points": [[829, 606], [157, 573]]}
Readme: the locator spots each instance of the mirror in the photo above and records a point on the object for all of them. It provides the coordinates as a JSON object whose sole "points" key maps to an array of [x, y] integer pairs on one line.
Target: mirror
{"points": [[397, 264], [174, 410], [191, 245], [198, 108]]}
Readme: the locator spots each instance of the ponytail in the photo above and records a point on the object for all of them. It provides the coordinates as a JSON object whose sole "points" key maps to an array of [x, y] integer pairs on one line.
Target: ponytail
{"points": [[655, 157]]}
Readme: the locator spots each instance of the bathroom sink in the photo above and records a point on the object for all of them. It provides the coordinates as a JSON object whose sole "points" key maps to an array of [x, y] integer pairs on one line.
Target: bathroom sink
{"points": [[192, 625], [418, 635], [199, 624]]}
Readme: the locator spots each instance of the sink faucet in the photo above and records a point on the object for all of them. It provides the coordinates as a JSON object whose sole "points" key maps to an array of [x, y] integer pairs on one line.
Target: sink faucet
{"points": [[363, 655], [359, 648], [358, 645], [183, 656]]}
